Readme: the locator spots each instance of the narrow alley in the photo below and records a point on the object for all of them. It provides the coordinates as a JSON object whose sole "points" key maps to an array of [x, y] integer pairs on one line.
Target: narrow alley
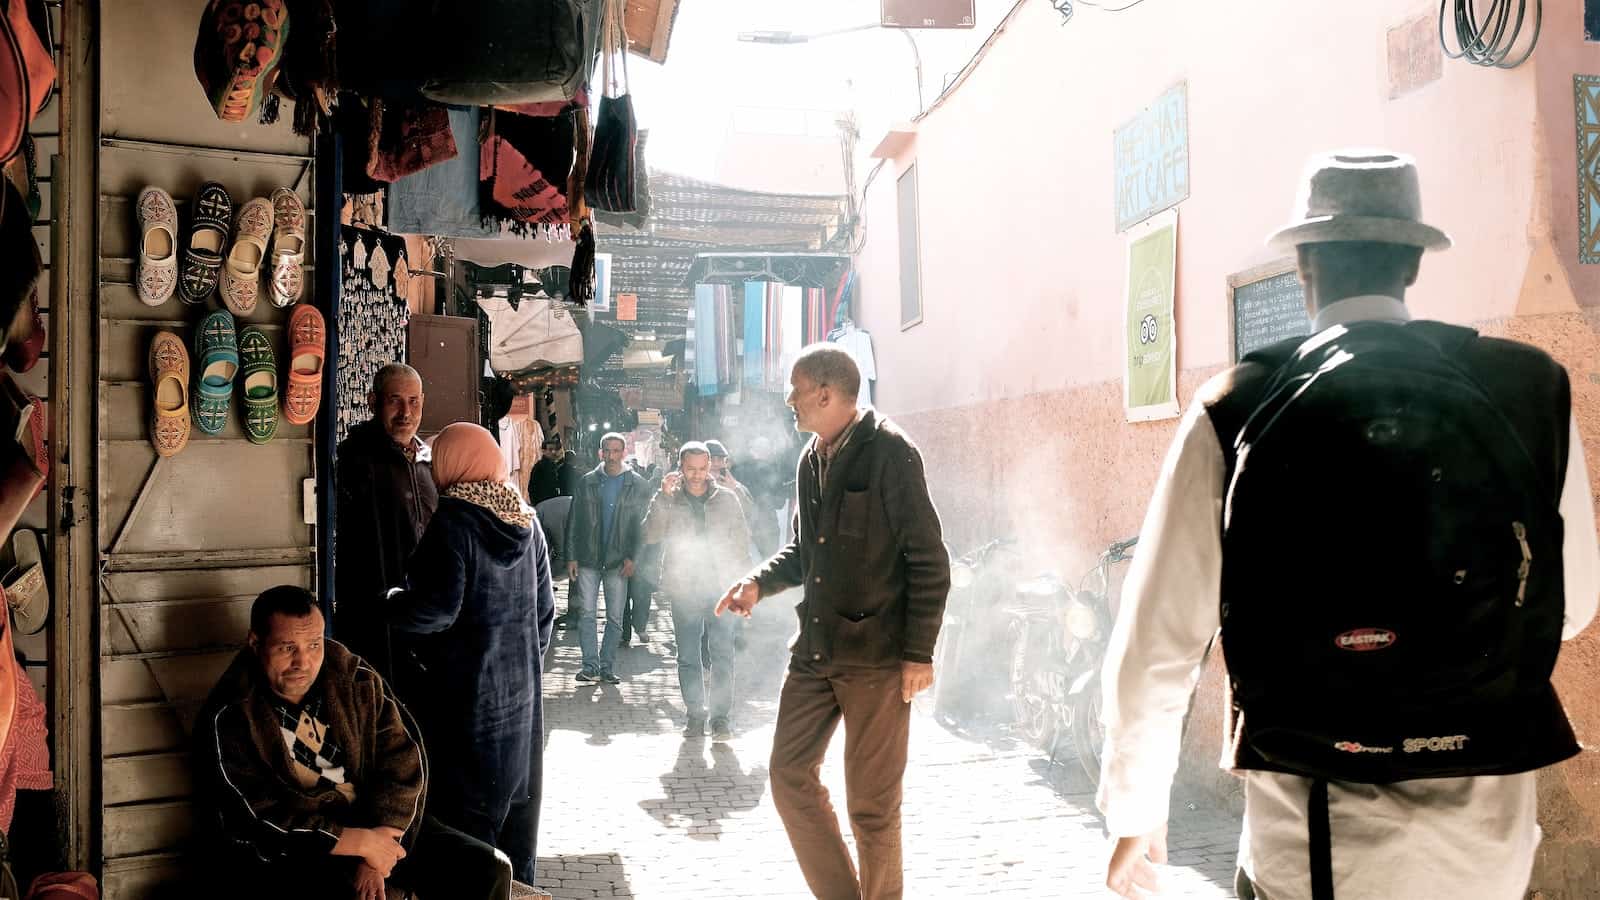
{"points": [[632, 809]]}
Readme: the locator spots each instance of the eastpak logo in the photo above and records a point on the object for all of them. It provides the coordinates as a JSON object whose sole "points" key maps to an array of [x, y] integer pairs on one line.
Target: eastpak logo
{"points": [[1356, 747], [1365, 639]]}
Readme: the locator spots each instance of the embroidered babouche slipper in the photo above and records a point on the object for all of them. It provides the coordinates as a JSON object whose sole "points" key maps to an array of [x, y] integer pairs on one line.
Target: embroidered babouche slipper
{"points": [[236, 54], [216, 355], [158, 246], [241, 270], [208, 237], [169, 383], [258, 371], [288, 247], [25, 587], [308, 348]]}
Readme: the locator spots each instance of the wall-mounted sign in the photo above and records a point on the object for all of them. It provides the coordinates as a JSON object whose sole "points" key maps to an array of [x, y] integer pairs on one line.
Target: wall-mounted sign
{"points": [[1587, 91], [1150, 384], [627, 307], [927, 13], [1265, 305], [1151, 158]]}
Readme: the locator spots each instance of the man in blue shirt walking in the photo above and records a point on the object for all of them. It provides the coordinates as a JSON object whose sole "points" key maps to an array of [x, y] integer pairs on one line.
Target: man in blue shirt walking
{"points": [[603, 540]]}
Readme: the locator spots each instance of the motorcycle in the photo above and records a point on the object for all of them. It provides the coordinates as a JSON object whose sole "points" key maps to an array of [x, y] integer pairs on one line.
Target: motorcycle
{"points": [[1057, 637], [969, 638], [1089, 621]]}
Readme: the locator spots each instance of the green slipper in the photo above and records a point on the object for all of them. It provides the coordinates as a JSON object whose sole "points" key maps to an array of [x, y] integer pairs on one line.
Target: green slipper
{"points": [[216, 352], [260, 380]]}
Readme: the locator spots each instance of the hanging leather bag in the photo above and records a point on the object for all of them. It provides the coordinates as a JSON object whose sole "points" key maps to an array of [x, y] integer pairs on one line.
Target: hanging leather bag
{"points": [[610, 185], [27, 75], [491, 52]]}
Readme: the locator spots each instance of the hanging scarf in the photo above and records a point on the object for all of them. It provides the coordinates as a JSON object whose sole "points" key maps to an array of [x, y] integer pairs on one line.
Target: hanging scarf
{"points": [[497, 497]]}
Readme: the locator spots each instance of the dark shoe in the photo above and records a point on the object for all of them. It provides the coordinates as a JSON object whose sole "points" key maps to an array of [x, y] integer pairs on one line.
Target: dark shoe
{"points": [[586, 675], [610, 678], [695, 728], [627, 641], [720, 732]]}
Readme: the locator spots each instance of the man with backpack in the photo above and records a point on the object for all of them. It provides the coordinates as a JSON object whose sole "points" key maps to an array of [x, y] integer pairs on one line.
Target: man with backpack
{"points": [[1390, 523]]}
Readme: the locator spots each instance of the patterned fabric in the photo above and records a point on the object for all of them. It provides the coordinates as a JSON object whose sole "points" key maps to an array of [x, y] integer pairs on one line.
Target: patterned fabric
{"points": [[317, 761], [25, 757], [237, 52], [373, 319], [504, 500]]}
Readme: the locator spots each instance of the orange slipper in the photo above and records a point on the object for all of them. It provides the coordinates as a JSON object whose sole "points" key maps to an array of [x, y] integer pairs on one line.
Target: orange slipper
{"points": [[308, 347], [169, 379]]}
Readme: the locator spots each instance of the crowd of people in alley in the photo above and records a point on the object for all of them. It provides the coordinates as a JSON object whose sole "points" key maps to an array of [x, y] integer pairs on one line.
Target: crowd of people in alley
{"points": [[409, 749]]}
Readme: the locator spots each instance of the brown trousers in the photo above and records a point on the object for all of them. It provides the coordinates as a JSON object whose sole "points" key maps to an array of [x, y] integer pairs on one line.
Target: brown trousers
{"points": [[877, 729]]}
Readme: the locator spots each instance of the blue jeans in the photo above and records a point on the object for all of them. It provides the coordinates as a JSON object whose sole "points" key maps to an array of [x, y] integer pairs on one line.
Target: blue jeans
{"points": [[589, 583], [693, 619]]}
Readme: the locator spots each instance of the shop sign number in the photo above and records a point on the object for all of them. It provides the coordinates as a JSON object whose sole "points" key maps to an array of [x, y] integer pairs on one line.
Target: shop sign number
{"points": [[927, 13]]}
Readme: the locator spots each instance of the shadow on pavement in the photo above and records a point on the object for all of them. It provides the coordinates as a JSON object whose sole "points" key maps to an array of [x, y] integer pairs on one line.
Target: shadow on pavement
{"points": [[711, 792]]}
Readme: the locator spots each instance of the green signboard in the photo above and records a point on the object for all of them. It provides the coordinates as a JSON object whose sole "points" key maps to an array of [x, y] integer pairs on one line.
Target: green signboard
{"points": [[1151, 383]]}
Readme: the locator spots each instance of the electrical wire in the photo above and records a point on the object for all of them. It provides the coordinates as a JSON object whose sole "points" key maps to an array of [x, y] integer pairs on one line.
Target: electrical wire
{"points": [[1108, 8], [1487, 40]]}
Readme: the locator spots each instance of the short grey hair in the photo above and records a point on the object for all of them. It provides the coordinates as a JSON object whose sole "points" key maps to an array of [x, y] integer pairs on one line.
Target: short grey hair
{"points": [[391, 371], [827, 364], [693, 448], [613, 436]]}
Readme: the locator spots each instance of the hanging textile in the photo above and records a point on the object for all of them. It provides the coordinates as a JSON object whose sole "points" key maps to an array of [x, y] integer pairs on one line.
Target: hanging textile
{"points": [[755, 334], [793, 337], [705, 339], [372, 317], [523, 168], [774, 302], [442, 200], [727, 340]]}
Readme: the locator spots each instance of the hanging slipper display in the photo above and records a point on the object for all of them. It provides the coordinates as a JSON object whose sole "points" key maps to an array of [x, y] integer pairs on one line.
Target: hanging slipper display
{"points": [[208, 237], [308, 348], [158, 246], [169, 383], [25, 587], [288, 247], [241, 271], [236, 54], [216, 353], [259, 375]]}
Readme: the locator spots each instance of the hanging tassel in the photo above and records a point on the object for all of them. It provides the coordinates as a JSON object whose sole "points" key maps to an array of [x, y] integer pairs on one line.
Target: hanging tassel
{"points": [[580, 288], [577, 209]]}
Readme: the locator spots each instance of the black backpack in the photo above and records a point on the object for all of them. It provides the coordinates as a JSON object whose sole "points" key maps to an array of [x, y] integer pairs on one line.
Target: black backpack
{"points": [[1392, 571]]}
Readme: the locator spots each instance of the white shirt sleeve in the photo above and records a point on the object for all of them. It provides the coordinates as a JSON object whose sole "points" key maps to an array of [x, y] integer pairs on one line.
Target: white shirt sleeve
{"points": [[1169, 612], [1580, 549]]}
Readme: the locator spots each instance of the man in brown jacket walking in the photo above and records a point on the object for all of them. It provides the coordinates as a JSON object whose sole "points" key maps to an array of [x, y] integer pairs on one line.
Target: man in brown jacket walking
{"points": [[870, 557]]}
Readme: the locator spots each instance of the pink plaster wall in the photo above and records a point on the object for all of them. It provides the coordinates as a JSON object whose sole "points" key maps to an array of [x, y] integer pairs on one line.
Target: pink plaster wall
{"points": [[1012, 383]]}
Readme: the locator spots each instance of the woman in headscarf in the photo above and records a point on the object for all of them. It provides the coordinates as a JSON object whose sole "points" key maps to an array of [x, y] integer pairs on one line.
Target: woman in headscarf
{"points": [[472, 624]]}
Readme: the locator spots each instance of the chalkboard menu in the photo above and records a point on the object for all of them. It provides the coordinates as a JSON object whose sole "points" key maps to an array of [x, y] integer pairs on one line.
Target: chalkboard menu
{"points": [[1266, 308]]}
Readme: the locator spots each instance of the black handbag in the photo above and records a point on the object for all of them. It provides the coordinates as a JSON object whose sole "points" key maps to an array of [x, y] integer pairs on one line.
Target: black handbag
{"points": [[609, 184], [491, 52]]}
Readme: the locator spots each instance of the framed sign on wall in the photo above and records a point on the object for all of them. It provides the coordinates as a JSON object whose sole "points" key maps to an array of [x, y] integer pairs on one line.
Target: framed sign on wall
{"points": [[927, 13], [1266, 304]]}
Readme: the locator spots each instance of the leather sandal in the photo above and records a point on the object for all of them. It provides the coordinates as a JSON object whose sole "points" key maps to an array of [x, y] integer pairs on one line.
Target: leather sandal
{"points": [[208, 237], [241, 271], [158, 246], [288, 247], [169, 383], [25, 587], [237, 54], [259, 376], [308, 348], [216, 352]]}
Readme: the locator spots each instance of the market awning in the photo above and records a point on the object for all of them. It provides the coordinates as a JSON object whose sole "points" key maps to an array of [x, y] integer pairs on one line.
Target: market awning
{"points": [[814, 270]]}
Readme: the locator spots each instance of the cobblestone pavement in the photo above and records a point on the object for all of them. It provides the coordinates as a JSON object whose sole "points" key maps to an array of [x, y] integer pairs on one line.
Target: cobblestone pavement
{"points": [[632, 809]]}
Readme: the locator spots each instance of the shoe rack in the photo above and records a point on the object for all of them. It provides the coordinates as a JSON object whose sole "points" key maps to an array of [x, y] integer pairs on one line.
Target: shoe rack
{"points": [[183, 543]]}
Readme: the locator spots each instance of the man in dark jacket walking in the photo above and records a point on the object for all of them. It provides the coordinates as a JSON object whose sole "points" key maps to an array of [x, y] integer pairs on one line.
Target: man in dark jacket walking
{"points": [[871, 559], [312, 779], [604, 537], [386, 495]]}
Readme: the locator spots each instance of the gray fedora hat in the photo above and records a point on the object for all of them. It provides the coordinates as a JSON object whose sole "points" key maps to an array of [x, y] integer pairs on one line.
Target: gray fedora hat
{"points": [[1360, 195]]}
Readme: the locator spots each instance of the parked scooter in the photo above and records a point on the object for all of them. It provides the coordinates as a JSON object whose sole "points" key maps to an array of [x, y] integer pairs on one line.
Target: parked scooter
{"points": [[1089, 621], [1057, 637], [972, 637]]}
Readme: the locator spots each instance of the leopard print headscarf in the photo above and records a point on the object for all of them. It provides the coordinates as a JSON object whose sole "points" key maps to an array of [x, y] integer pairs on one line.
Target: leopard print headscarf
{"points": [[498, 498]]}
